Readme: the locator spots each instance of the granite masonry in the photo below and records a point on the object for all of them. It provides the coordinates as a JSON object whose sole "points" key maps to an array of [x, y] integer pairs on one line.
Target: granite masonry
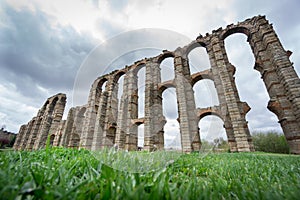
{"points": [[100, 123]]}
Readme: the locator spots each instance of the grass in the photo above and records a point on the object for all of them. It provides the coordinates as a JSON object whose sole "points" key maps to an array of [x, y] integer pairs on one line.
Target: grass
{"points": [[58, 173]]}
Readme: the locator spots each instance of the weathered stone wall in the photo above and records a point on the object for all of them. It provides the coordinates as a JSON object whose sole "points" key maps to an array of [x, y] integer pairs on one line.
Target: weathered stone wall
{"points": [[34, 135], [101, 123]]}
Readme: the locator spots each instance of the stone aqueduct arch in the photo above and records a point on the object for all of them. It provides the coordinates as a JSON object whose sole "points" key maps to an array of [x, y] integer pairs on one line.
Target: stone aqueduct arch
{"points": [[100, 123], [34, 135]]}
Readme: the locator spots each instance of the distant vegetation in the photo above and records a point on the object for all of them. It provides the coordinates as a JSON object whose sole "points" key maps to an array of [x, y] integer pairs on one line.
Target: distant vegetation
{"points": [[217, 145], [7, 139], [272, 142]]}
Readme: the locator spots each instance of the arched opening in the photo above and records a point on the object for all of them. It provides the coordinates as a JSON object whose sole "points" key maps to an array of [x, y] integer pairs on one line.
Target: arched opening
{"points": [[212, 132], [167, 69], [249, 85], [52, 106], [42, 111], [172, 139], [103, 87], [141, 91], [117, 92], [100, 89], [205, 94], [198, 60], [141, 136], [120, 89], [51, 139], [111, 134]]}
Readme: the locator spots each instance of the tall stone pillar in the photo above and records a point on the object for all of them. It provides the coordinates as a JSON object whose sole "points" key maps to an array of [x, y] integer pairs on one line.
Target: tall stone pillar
{"points": [[126, 133], [122, 120], [230, 135], [28, 132], [35, 130], [110, 118], [132, 129], [57, 114], [91, 114], [20, 135], [223, 107], [43, 133], [154, 120], [106, 116], [190, 138], [59, 133], [131, 139], [280, 78], [100, 122], [231, 106], [67, 128], [51, 119]]}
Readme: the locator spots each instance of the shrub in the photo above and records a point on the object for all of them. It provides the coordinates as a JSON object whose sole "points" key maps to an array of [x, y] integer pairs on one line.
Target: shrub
{"points": [[4, 142], [272, 142]]}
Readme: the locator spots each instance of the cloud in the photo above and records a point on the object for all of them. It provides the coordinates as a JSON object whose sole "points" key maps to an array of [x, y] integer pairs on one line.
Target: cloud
{"points": [[186, 18], [205, 94], [283, 15], [170, 110], [37, 58], [13, 111], [31, 48], [211, 127]]}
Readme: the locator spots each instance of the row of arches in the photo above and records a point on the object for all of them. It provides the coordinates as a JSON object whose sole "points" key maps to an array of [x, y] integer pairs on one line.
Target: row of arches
{"points": [[166, 64], [202, 82], [204, 66], [169, 100], [187, 75], [201, 78]]}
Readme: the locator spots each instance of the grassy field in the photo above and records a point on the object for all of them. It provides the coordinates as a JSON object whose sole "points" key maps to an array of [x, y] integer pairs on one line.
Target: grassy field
{"points": [[60, 173]]}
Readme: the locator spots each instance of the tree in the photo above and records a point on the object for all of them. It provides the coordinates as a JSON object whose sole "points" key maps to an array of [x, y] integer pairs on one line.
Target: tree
{"points": [[220, 144], [7, 139], [206, 145], [272, 142], [3, 127]]}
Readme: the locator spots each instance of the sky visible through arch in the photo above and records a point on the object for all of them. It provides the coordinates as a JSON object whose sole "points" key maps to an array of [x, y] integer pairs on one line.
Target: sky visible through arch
{"points": [[44, 43]]}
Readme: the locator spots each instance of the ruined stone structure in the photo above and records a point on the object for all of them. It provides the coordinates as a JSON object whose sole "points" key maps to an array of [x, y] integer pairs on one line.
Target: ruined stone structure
{"points": [[100, 123], [34, 134]]}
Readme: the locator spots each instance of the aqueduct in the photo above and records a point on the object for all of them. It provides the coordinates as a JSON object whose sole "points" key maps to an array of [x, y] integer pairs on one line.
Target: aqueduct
{"points": [[102, 123]]}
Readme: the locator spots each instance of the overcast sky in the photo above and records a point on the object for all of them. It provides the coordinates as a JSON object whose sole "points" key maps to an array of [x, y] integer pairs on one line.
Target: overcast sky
{"points": [[45, 45]]}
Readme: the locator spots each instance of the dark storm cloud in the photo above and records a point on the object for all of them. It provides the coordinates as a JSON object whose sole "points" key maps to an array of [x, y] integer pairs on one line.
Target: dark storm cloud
{"points": [[37, 59], [35, 52]]}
